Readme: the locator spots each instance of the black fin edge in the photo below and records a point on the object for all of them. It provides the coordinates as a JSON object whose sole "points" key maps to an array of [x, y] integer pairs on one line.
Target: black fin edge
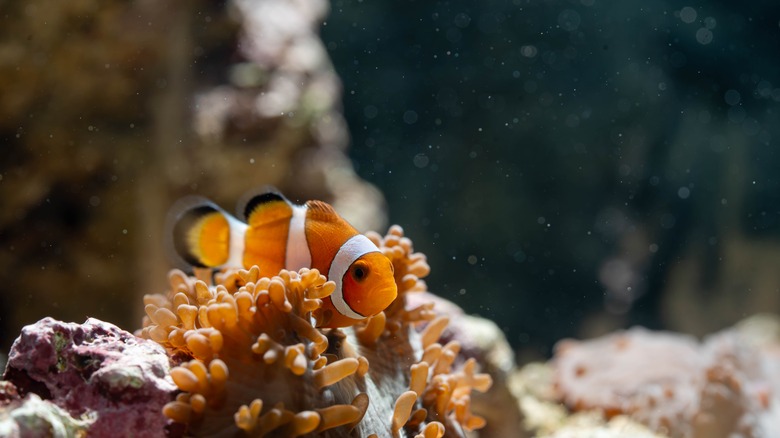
{"points": [[261, 199], [182, 223]]}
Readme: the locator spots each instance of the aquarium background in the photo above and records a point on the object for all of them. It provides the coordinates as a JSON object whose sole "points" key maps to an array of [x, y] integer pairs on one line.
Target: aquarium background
{"points": [[568, 167], [571, 167]]}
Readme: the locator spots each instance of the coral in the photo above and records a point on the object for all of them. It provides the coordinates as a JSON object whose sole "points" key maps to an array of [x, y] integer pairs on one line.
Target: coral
{"points": [[253, 360], [93, 369], [672, 383], [34, 417]]}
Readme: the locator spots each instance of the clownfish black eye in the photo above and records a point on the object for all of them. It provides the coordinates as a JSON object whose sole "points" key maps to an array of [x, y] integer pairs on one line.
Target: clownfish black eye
{"points": [[359, 272]]}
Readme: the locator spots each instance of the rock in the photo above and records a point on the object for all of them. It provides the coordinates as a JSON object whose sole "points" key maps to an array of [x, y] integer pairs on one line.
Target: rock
{"points": [[674, 384], [37, 418], [94, 369]]}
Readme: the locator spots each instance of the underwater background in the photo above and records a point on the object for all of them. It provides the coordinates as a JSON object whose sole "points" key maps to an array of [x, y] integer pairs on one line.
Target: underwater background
{"points": [[568, 167]]}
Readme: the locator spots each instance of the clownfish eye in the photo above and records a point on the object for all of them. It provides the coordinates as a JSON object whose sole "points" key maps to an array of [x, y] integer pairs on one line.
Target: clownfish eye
{"points": [[360, 272]]}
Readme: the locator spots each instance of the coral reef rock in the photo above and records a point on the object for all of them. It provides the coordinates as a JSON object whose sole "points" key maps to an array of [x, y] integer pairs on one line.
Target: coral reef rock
{"points": [[725, 386], [69, 377], [34, 418], [253, 359]]}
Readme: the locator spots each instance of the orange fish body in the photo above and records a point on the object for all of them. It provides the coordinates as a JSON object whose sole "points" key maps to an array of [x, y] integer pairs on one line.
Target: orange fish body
{"points": [[280, 235]]}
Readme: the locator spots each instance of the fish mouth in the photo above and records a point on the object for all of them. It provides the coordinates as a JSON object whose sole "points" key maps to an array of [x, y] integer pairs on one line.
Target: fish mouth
{"points": [[383, 298], [390, 292]]}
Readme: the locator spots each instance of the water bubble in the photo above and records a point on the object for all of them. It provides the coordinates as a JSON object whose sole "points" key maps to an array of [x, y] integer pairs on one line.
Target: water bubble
{"points": [[421, 160], [410, 117], [688, 14], [529, 51], [704, 36], [569, 20], [462, 20], [732, 97], [684, 192], [370, 111]]}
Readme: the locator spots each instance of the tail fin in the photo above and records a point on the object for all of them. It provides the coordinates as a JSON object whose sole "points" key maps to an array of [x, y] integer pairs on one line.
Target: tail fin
{"points": [[201, 232]]}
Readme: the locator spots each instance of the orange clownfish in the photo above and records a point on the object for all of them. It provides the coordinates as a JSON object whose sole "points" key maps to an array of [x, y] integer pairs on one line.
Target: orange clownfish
{"points": [[281, 235]]}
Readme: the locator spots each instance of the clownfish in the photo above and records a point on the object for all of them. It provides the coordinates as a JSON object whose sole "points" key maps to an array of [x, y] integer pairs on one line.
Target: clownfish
{"points": [[281, 235]]}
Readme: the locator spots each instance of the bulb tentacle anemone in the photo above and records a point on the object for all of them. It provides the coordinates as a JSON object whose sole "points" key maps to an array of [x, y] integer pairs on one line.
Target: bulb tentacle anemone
{"points": [[252, 360]]}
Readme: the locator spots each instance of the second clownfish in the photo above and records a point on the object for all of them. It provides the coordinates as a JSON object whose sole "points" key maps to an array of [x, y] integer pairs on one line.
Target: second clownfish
{"points": [[280, 235]]}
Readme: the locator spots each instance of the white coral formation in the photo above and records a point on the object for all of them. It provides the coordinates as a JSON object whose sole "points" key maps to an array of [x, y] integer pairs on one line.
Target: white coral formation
{"points": [[671, 383], [258, 364]]}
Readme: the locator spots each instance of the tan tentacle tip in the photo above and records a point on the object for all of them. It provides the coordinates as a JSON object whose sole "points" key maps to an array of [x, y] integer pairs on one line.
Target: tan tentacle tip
{"points": [[277, 290], [482, 382], [362, 369], [150, 308], [432, 353], [177, 277], [202, 292], [373, 329], [198, 403], [302, 423], [361, 402], [433, 429], [199, 345], [395, 230], [419, 378], [321, 291], [338, 415], [273, 419], [158, 334], [295, 359], [188, 314], [335, 372], [176, 338], [417, 417], [185, 379], [178, 411], [246, 417], [218, 371], [249, 276], [403, 409], [434, 330]]}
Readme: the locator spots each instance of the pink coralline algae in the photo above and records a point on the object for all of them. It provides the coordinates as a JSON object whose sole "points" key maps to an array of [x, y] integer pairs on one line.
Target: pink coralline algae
{"points": [[100, 375], [720, 388]]}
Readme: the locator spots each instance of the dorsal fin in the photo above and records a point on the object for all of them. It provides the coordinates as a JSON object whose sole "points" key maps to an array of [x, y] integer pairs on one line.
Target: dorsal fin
{"points": [[268, 217], [201, 233], [258, 202], [320, 208]]}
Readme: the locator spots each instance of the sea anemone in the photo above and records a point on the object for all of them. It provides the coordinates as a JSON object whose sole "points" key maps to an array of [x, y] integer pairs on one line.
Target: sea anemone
{"points": [[252, 360]]}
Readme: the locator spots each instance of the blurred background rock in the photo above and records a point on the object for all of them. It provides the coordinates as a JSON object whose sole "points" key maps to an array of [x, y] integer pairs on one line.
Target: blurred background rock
{"points": [[568, 166], [110, 111]]}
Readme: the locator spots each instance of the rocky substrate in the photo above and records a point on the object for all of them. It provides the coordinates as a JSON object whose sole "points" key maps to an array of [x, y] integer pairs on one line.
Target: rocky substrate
{"points": [[640, 383]]}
